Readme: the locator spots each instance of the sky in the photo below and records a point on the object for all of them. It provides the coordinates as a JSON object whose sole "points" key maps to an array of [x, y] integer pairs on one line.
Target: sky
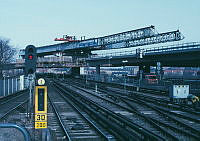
{"points": [[38, 22]]}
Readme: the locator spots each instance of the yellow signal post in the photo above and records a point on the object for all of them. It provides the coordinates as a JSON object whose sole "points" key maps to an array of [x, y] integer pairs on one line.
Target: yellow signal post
{"points": [[40, 107]]}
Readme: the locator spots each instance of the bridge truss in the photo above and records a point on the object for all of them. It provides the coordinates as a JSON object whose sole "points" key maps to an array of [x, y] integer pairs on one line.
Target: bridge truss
{"points": [[133, 38]]}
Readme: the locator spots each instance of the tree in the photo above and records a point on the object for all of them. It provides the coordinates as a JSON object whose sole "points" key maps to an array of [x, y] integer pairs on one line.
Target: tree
{"points": [[7, 53]]}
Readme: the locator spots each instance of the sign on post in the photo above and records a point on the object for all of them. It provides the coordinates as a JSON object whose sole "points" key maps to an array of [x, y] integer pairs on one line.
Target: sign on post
{"points": [[40, 107], [179, 91]]}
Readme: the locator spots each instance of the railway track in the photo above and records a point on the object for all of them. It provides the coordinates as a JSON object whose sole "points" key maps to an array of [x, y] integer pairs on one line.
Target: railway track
{"points": [[13, 109], [181, 118], [162, 97], [184, 128], [8, 105], [148, 93], [157, 100], [132, 120], [70, 122]]}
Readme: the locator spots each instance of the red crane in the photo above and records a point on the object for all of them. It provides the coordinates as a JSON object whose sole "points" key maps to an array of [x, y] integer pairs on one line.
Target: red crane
{"points": [[67, 39]]}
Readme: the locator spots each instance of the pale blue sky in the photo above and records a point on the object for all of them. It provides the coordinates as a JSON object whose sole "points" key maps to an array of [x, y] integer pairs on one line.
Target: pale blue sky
{"points": [[38, 22]]}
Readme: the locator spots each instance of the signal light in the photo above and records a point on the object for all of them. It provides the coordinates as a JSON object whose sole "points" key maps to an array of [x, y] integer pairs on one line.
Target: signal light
{"points": [[30, 59]]}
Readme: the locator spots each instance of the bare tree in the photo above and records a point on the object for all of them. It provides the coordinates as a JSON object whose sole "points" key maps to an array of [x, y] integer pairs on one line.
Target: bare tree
{"points": [[7, 53]]}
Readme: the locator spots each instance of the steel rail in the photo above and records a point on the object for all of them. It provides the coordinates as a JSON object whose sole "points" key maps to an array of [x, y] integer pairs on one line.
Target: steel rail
{"points": [[121, 118], [59, 119], [107, 137], [134, 112], [9, 111]]}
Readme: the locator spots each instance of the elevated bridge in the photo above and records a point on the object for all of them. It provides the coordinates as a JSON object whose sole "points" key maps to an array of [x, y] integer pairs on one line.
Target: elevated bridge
{"points": [[176, 55], [180, 55], [133, 38]]}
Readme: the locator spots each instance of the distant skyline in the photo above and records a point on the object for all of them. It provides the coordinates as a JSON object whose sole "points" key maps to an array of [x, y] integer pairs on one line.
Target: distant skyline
{"points": [[38, 22]]}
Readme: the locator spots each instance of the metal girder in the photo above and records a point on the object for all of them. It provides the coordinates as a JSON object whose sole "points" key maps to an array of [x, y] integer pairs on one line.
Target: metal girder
{"points": [[126, 36], [153, 39], [133, 38]]}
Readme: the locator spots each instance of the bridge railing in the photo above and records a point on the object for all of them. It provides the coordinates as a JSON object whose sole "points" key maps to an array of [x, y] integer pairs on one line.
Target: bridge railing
{"points": [[57, 65], [120, 53], [177, 47]]}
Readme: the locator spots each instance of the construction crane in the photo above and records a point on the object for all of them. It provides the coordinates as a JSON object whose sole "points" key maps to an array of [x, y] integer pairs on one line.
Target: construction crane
{"points": [[67, 39], [138, 37], [133, 38]]}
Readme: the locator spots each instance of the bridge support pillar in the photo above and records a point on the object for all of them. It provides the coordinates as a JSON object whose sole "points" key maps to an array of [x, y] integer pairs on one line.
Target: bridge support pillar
{"points": [[98, 72], [1, 73], [75, 71], [146, 69], [159, 70], [142, 70]]}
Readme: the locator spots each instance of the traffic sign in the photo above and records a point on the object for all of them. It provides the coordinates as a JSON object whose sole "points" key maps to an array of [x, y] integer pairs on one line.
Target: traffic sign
{"points": [[41, 117], [41, 81], [40, 106], [39, 125]]}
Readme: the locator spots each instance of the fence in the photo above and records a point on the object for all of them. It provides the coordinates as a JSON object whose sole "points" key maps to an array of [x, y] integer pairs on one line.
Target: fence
{"points": [[10, 85]]}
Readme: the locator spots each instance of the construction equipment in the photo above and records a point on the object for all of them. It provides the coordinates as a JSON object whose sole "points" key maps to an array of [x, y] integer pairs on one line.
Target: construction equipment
{"points": [[67, 39]]}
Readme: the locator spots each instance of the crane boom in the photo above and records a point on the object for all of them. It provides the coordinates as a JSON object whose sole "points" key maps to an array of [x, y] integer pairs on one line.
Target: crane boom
{"points": [[133, 38], [138, 37]]}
